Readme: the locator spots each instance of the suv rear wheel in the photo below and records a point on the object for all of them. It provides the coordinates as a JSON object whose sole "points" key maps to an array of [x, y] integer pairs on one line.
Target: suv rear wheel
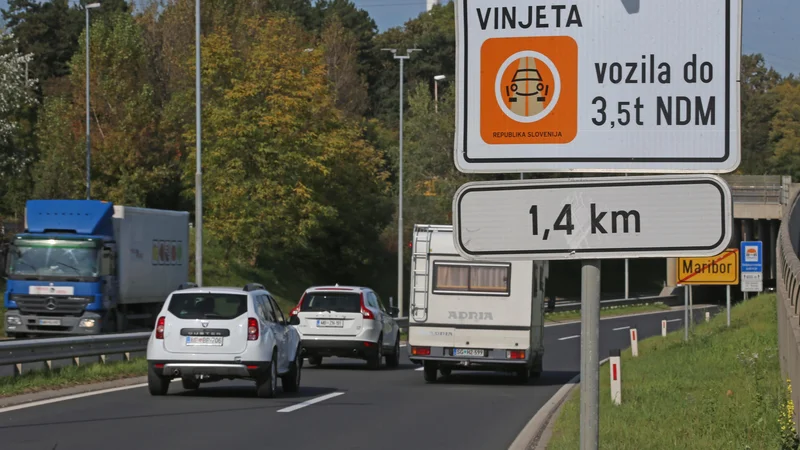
{"points": [[267, 384], [291, 381], [156, 384], [393, 360], [315, 360], [375, 361]]}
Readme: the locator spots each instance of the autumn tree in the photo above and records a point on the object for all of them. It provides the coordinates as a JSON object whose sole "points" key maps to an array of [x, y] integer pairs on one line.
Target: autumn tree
{"points": [[128, 163], [758, 108], [282, 164], [784, 135], [341, 59]]}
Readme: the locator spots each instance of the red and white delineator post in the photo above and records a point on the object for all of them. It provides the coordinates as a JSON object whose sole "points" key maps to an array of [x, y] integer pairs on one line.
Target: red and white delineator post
{"points": [[664, 328], [634, 343], [616, 376]]}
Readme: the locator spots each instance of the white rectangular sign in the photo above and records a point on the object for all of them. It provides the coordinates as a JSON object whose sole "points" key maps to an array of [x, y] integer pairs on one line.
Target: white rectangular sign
{"points": [[597, 85], [752, 282], [593, 218]]}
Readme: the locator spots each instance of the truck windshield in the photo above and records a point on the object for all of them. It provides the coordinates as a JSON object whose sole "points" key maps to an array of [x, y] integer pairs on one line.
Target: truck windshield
{"points": [[53, 258]]}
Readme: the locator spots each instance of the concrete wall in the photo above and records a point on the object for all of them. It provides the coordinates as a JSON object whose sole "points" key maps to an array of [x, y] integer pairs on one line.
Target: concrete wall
{"points": [[788, 298]]}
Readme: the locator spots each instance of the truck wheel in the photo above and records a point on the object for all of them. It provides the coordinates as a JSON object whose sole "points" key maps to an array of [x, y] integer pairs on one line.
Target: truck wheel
{"points": [[267, 384], [430, 371], [156, 384], [522, 375]]}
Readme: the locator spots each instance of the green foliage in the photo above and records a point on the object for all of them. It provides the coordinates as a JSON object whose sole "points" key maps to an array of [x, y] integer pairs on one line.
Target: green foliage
{"points": [[784, 136], [723, 389]]}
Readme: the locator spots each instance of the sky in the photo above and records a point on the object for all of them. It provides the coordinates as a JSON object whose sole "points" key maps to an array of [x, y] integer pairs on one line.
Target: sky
{"points": [[769, 27]]}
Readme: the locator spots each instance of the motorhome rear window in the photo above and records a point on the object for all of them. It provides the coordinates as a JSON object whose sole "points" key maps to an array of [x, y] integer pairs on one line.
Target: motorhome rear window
{"points": [[332, 301], [477, 278], [208, 306]]}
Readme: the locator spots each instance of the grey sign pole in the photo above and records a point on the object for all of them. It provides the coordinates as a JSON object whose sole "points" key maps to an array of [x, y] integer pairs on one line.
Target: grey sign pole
{"points": [[590, 350], [728, 302], [198, 176], [686, 313]]}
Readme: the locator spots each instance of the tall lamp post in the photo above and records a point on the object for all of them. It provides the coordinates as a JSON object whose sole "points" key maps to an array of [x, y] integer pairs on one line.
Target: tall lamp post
{"points": [[400, 195], [436, 81], [198, 176], [88, 121]]}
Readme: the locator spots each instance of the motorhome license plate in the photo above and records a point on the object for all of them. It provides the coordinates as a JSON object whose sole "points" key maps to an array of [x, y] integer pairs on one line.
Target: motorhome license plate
{"points": [[204, 340], [328, 323], [467, 352], [52, 322]]}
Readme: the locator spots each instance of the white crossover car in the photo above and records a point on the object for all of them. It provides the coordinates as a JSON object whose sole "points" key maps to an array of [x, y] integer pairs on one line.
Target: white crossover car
{"points": [[349, 322], [206, 334]]}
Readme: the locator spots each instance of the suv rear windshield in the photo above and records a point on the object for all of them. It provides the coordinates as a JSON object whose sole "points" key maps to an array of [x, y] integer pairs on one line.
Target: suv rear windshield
{"points": [[332, 301], [208, 306]]}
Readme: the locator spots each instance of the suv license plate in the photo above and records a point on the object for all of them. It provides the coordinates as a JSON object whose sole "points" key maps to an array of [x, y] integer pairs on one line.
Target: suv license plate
{"points": [[467, 352], [204, 340], [327, 323]]}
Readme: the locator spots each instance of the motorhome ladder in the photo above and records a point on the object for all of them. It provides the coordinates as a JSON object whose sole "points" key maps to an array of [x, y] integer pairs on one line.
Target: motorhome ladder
{"points": [[419, 267]]}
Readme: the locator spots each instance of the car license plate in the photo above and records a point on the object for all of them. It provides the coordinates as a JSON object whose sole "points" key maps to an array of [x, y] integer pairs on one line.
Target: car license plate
{"points": [[204, 340], [328, 323], [52, 322], [467, 352]]}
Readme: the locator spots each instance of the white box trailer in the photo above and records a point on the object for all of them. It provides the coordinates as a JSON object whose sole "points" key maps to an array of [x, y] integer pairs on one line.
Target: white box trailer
{"points": [[473, 315]]}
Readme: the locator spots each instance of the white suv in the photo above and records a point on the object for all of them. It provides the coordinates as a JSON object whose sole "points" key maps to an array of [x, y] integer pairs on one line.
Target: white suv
{"points": [[213, 333], [349, 322]]}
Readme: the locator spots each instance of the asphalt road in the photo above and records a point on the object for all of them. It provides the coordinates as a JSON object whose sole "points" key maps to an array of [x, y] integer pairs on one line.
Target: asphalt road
{"points": [[389, 409]]}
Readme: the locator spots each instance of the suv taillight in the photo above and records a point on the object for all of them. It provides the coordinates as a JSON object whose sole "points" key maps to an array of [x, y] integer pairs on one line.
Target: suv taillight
{"points": [[366, 313], [160, 328], [252, 329], [296, 310]]}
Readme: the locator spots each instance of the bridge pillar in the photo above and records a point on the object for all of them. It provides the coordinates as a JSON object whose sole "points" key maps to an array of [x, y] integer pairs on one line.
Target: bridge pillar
{"points": [[672, 272]]}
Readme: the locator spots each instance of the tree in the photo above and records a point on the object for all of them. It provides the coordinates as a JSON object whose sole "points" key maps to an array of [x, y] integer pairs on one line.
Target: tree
{"points": [[758, 108], [341, 58], [17, 98], [286, 163], [784, 135], [128, 162]]}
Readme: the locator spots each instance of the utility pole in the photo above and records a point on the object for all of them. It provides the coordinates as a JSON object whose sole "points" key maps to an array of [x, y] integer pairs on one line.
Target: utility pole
{"points": [[198, 176], [400, 190], [88, 120]]}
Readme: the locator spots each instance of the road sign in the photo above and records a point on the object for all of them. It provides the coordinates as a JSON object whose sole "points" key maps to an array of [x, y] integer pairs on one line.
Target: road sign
{"points": [[554, 87], [752, 266], [722, 269], [593, 218]]}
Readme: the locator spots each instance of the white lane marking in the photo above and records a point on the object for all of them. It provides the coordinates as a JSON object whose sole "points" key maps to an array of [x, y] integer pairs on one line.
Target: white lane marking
{"points": [[674, 320], [403, 345], [311, 402], [70, 397], [626, 316], [621, 328], [569, 337], [420, 369]]}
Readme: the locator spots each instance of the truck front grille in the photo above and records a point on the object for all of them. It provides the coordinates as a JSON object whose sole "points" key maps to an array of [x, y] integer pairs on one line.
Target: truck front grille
{"points": [[55, 305]]}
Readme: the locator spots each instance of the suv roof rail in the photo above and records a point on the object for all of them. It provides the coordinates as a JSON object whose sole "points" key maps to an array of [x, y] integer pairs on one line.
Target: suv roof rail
{"points": [[186, 285], [254, 287]]}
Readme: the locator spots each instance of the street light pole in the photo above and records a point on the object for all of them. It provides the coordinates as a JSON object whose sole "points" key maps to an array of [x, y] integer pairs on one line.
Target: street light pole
{"points": [[198, 176], [400, 195], [88, 121], [436, 81]]}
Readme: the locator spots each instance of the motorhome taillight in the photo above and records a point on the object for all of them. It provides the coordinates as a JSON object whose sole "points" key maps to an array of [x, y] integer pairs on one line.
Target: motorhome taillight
{"points": [[252, 329], [420, 351], [515, 354], [160, 328]]}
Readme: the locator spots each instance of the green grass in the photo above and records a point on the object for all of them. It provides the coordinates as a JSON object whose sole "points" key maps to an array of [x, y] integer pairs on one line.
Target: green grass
{"points": [[71, 376], [606, 312], [721, 390]]}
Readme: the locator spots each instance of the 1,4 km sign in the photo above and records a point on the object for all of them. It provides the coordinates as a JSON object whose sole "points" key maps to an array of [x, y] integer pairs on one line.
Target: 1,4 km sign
{"points": [[593, 218], [595, 85]]}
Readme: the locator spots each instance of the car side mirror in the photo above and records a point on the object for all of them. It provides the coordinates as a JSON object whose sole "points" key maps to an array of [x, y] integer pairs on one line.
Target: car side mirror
{"points": [[294, 320], [394, 311]]}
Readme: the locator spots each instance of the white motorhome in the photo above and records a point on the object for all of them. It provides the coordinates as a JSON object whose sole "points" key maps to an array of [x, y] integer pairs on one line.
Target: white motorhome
{"points": [[473, 314]]}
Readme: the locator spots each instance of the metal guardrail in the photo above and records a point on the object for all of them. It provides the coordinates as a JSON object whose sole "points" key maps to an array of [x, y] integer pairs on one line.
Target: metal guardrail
{"points": [[788, 298], [759, 189], [671, 300], [16, 352]]}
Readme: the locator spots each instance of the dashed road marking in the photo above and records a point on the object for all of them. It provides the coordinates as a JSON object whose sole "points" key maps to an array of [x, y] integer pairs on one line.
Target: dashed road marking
{"points": [[569, 337], [310, 402]]}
